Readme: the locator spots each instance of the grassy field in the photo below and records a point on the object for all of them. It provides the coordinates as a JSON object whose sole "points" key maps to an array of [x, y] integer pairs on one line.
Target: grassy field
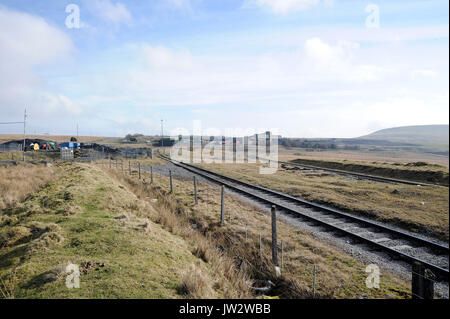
{"points": [[288, 154], [129, 246], [414, 171], [419, 209]]}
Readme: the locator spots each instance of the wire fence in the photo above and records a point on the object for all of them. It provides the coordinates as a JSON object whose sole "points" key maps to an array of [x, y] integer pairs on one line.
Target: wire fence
{"points": [[10, 147]]}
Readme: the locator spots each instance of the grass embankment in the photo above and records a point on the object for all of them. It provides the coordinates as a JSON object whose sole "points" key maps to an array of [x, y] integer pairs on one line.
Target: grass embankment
{"points": [[418, 209], [17, 181], [414, 171], [29, 156], [85, 217], [339, 275]]}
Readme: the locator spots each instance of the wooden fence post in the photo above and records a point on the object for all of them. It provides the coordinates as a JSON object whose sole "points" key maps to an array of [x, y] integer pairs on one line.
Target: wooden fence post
{"points": [[171, 184], [139, 165], [245, 227], [195, 191], [222, 205], [260, 245], [274, 236], [314, 281], [151, 174], [422, 284]]}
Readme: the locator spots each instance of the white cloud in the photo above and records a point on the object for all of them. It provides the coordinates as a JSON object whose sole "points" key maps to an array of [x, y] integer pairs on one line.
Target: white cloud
{"points": [[167, 76], [28, 40], [161, 57], [417, 74], [180, 4], [337, 61], [325, 53], [52, 104], [397, 110], [284, 6], [27, 43], [115, 13]]}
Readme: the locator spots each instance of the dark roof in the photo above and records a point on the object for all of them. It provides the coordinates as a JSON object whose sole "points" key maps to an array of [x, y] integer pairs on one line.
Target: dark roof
{"points": [[28, 141]]}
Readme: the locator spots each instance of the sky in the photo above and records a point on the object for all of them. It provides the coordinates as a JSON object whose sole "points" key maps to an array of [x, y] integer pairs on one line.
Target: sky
{"points": [[301, 68]]}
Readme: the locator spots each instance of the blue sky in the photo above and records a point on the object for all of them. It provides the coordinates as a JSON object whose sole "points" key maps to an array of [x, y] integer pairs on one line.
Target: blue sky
{"points": [[307, 68]]}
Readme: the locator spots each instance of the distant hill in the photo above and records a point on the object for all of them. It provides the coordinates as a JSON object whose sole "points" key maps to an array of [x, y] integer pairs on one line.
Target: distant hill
{"points": [[430, 137], [419, 134]]}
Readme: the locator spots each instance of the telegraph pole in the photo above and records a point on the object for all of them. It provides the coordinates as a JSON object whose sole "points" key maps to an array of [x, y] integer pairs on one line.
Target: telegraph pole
{"points": [[162, 133], [24, 134]]}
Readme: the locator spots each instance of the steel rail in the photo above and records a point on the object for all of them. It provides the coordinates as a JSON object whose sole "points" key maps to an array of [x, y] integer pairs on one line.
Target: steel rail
{"points": [[439, 271], [330, 210], [365, 176]]}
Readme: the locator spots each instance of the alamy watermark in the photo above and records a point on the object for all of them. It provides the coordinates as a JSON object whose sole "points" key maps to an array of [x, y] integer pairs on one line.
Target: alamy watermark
{"points": [[233, 145], [373, 279], [373, 19], [73, 19], [73, 277]]}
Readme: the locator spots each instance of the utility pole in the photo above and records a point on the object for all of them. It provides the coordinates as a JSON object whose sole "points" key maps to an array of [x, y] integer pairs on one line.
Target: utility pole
{"points": [[162, 133], [77, 133], [24, 130]]}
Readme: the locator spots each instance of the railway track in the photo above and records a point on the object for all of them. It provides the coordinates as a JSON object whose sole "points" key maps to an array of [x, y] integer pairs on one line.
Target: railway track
{"points": [[398, 244], [360, 175]]}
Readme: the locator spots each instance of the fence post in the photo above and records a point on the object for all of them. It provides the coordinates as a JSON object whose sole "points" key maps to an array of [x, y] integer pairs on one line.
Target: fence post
{"points": [[195, 191], [274, 236], [422, 285], [260, 245], [171, 184], [314, 281], [151, 174], [139, 165], [222, 205], [122, 167], [282, 254], [245, 227], [110, 163]]}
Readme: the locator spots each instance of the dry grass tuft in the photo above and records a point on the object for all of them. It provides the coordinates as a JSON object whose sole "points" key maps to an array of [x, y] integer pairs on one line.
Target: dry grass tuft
{"points": [[7, 288], [16, 182], [196, 284], [14, 235], [46, 241]]}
